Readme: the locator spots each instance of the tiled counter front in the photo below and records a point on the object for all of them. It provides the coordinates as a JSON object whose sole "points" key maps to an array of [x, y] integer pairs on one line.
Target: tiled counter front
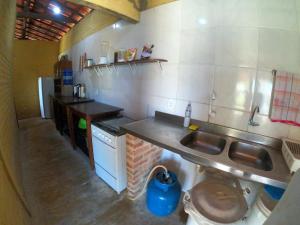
{"points": [[141, 156]]}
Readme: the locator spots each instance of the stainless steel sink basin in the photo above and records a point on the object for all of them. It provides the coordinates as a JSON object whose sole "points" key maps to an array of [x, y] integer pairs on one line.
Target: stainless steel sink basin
{"points": [[250, 155], [204, 142]]}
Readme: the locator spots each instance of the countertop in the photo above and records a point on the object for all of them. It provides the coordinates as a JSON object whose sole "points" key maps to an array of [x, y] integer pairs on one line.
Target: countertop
{"points": [[166, 131], [70, 100], [93, 109]]}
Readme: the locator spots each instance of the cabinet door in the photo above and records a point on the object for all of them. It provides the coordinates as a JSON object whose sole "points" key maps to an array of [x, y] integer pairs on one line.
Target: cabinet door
{"points": [[105, 156]]}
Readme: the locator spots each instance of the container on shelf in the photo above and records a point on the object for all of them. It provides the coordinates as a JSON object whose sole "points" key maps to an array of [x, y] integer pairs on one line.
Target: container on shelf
{"points": [[104, 49], [68, 77], [121, 55]]}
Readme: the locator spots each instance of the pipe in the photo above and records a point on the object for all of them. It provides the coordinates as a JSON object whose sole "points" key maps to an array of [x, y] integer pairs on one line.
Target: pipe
{"points": [[147, 181]]}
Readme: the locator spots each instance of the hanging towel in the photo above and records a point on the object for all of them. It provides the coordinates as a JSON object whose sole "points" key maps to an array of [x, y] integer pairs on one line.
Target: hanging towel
{"points": [[285, 104]]}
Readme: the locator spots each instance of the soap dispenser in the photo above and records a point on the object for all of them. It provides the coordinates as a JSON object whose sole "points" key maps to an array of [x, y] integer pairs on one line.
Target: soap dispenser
{"points": [[187, 117]]}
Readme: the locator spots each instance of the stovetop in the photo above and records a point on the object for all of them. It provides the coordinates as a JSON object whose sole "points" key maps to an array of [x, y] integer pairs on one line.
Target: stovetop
{"points": [[113, 125]]}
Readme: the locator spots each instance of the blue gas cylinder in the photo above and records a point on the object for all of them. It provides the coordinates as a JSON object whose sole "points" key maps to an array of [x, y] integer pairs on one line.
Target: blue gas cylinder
{"points": [[163, 194]]}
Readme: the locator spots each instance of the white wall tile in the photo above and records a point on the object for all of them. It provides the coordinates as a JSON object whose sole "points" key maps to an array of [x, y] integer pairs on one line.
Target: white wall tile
{"points": [[297, 2], [165, 16], [195, 82], [199, 111], [168, 81], [267, 128], [294, 133], [277, 14], [234, 87], [160, 104], [263, 91], [240, 13], [199, 13], [230, 118], [154, 81], [197, 46], [237, 47], [279, 49]]}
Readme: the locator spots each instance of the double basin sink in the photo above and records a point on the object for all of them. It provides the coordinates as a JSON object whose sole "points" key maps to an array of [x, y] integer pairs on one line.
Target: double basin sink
{"points": [[242, 152]]}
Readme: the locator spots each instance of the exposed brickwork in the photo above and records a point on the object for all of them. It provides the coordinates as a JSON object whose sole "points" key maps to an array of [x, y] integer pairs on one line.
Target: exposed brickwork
{"points": [[140, 159]]}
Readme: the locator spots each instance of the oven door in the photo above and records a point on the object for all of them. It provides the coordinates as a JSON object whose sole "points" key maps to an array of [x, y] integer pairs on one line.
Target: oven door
{"points": [[105, 156]]}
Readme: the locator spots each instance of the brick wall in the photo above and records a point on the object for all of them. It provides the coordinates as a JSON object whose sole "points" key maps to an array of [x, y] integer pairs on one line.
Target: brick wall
{"points": [[141, 157]]}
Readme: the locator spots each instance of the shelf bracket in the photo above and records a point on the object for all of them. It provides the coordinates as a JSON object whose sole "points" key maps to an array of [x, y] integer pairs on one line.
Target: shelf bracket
{"points": [[95, 70], [129, 64], [160, 66], [108, 69], [115, 68], [135, 67], [100, 71]]}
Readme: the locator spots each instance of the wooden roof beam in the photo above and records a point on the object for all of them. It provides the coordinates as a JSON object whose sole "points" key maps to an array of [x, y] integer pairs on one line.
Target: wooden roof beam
{"points": [[48, 31], [51, 25], [40, 36], [48, 12], [56, 32], [33, 15], [64, 7], [37, 35], [124, 9], [45, 34]]}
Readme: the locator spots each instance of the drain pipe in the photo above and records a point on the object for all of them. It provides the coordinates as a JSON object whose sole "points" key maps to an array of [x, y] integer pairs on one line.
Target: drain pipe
{"points": [[147, 181]]}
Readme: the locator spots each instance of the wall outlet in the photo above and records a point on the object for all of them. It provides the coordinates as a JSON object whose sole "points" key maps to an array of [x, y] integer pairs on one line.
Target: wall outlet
{"points": [[171, 105]]}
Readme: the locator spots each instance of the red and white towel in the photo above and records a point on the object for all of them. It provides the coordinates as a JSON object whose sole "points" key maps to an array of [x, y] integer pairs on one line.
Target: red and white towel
{"points": [[285, 105]]}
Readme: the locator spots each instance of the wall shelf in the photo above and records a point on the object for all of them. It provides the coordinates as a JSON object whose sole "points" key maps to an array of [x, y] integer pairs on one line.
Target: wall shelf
{"points": [[98, 67], [137, 61]]}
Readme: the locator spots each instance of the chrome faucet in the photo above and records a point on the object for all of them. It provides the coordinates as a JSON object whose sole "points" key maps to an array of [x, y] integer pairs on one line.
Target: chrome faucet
{"points": [[251, 119]]}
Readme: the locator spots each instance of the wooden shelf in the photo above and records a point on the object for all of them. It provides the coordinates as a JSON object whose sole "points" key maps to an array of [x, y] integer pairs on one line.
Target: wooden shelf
{"points": [[138, 61]]}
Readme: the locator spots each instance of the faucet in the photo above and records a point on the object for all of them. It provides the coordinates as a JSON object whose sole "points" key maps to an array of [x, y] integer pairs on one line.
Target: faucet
{"points": [[251, 119]]}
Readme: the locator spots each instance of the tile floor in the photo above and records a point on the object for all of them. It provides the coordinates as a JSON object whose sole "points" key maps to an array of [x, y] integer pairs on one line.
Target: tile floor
{"points": [[62, 190]]}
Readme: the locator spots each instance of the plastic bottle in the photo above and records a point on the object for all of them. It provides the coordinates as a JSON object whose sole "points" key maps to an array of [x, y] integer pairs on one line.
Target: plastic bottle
{"points": [[187, 117]]}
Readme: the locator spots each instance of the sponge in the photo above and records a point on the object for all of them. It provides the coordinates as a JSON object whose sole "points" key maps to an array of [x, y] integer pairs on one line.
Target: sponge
{"points": [[193, 127]]}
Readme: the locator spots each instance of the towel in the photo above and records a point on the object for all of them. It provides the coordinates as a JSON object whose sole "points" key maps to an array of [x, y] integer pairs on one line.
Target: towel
{"points": [[285, 104]]}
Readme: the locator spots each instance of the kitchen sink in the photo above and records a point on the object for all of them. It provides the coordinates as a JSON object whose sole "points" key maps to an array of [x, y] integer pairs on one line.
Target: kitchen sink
{"points": [[204, 142], [250, 155]]}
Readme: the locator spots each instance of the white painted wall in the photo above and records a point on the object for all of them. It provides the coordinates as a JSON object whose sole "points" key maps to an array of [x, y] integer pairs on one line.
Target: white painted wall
{"points": [[227, 46]]}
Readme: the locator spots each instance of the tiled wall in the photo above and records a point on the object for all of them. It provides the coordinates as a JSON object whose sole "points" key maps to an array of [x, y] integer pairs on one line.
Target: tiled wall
{"points": [[229, 47]]}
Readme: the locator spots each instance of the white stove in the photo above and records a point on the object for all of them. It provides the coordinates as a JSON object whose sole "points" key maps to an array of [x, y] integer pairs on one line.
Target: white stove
{"points": [[109, 145]]}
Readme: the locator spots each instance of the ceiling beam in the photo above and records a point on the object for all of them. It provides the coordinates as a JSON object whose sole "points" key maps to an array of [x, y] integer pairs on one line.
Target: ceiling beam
{"points": [[40, 36], [51, 25], [48, 31], [37, 35], [56, 32], [32, 15], [64, 7], [42, 33], [48, 11], [124, 9]]}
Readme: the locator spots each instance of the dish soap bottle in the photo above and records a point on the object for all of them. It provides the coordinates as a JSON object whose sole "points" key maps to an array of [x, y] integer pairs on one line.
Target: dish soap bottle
{"points": [[187, 117]]}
